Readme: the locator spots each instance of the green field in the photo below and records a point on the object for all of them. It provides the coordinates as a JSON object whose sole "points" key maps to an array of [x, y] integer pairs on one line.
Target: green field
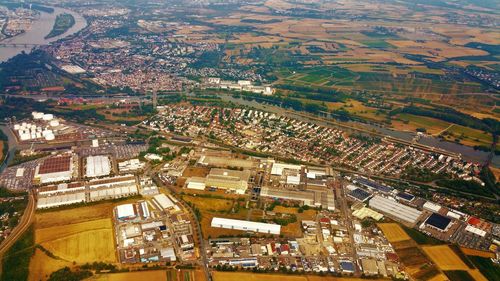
{"points": [[490, 270], [458, 275], [380, 80], [377, 44], [471, 134], [421, 238]]}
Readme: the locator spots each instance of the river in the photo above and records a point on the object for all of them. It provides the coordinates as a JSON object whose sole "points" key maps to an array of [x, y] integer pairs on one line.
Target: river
{"points": [[39, 29]]}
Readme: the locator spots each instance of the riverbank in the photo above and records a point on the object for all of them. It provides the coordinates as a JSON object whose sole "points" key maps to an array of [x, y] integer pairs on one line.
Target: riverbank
{"points": [[35, 36]]}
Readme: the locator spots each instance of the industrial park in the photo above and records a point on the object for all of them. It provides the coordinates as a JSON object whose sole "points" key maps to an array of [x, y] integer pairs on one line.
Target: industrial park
{"points": [[209, 204]]}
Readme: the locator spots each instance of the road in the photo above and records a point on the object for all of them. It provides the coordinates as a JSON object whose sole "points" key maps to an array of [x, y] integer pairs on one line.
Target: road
{"points": [[24, 223], [196, 232], [342, 197]]}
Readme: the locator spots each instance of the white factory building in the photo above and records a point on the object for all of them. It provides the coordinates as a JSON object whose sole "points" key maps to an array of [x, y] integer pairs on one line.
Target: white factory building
{"points": [[163, 201], [60, 200], [97, 166], [246, 225], [131, 165], [111, 188], [394, 209], [278, 168], [125, 212]]}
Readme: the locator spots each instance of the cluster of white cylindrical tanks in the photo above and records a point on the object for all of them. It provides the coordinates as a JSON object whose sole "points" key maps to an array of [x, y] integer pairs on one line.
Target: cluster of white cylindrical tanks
{"points": [[29, 131], [43, 116]]}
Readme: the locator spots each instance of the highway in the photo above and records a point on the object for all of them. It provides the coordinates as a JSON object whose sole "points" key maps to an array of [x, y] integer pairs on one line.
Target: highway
{"points": [[24, 223]]}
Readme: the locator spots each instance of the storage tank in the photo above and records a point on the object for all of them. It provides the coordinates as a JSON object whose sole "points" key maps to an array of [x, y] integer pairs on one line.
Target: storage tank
{"points": [[48, 117], [50, 137], [37, 115], [17, 127], [24, 137], [54, 123], [47, 132]]}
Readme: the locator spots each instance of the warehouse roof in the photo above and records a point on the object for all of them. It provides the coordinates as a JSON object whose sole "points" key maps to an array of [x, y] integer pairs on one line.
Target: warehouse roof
{"points": [[395, 209], [246, 225], [55, 164], [125, 211], [163, 201]]}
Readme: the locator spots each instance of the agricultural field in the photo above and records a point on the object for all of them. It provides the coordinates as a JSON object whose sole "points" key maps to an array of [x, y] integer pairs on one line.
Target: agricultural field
{"points": [[393, 232], [244, 276], [72, 237], [210, 207], [372, 56], [445, 258], [410, 122], [160, 275], [80, 242]]}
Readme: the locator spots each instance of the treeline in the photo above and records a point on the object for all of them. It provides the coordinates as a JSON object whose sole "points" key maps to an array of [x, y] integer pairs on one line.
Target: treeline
{"points": [[315, 93], [453, 116], [465, 186], [286, 102], [19, 107]]}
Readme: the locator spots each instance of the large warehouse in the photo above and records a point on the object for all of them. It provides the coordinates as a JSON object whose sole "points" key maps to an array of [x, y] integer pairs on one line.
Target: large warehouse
{"points": [[438, 222], [60, 200], [236, 181], [97, 166], [395, 209], [317, 197], [246, 225], [55, 169]]}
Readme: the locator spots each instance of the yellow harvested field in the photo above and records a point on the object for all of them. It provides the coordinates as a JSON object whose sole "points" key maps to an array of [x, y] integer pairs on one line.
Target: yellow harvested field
{"points": [[80, 242], [445, 258], [393, 232], [478, 253], [41, 265], [74, 215], [210, 204], [159, 275], [242, 276]]}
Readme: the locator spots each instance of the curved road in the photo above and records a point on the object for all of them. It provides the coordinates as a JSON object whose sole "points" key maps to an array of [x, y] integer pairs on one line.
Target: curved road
{"points": [[22, 226]]}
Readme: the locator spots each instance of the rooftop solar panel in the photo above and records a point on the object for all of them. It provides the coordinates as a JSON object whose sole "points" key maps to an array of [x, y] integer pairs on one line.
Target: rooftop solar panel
{"points": [[438, 221], [405, 196], [374, 185], [360, 194]]}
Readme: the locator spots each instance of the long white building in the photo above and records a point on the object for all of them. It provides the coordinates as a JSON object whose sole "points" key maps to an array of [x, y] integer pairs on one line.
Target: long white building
{"points": [[394, 209], [246, 225], [98, 166]]}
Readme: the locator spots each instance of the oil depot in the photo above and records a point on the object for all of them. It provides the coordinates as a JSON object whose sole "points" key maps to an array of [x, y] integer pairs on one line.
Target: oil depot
{"points": [[43, 127]]}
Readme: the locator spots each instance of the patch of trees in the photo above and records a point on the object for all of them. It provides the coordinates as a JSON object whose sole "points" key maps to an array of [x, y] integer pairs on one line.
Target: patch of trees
{"points": [[66, 274], [422, 175], [16, 260], [465, 186]]}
